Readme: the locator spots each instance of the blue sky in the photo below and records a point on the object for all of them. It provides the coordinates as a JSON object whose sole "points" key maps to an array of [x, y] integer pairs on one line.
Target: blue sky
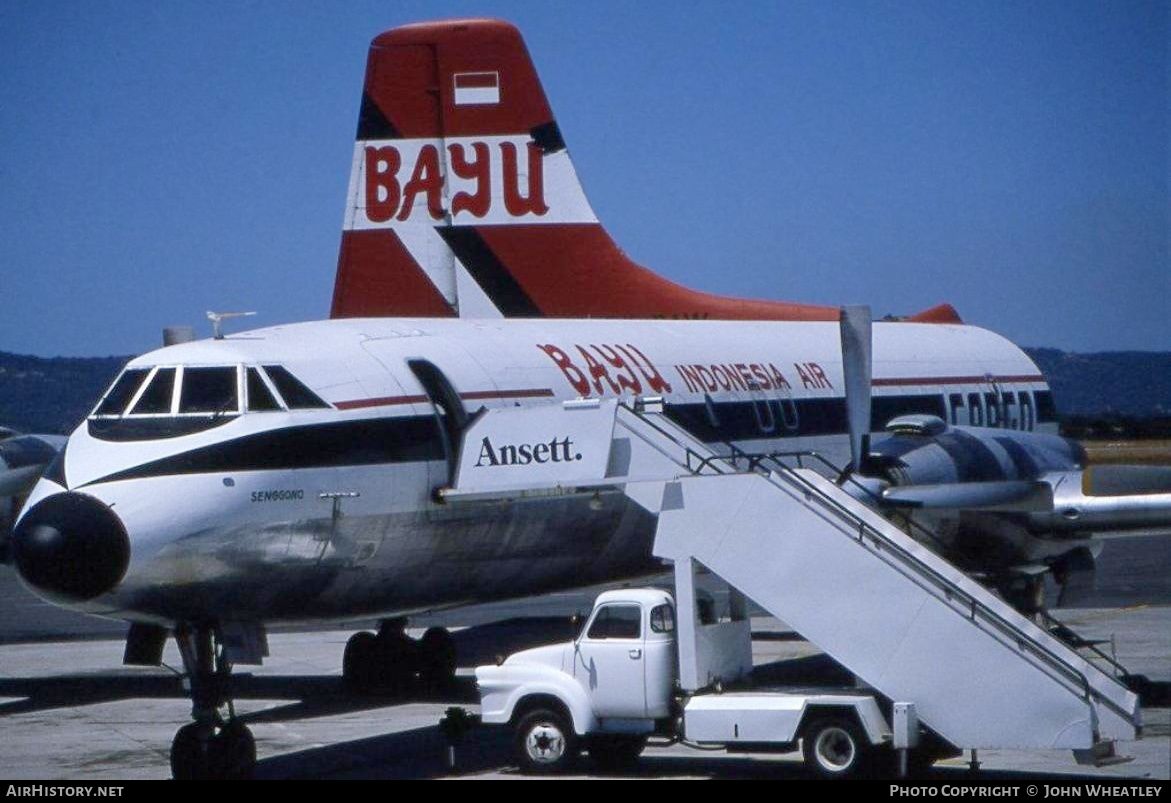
{"points": [[162, 159]]}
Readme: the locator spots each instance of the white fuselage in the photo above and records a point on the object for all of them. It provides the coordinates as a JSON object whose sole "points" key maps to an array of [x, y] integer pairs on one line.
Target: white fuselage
{"points": [[299, 514]]}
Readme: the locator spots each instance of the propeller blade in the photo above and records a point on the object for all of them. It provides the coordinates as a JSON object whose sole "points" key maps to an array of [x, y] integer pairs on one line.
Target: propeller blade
{"points": [[1025, 496], [856, 368], [18, 481]]}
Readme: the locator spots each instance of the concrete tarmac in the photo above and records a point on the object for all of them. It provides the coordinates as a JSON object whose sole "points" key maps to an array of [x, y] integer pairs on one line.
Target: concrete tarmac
{"points": [[70, 711]]}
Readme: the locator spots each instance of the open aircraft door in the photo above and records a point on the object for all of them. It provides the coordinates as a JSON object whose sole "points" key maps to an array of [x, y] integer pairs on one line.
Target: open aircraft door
{"points": [[456, 387], [450, 416], [448, 384]]}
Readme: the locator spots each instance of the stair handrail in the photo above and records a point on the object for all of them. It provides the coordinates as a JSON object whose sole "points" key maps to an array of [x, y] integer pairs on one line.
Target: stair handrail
{"points": [[978, 612]]}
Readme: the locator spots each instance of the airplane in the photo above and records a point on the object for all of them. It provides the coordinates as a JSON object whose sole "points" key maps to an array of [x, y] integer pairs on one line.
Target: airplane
{"points": [[294, 473]]}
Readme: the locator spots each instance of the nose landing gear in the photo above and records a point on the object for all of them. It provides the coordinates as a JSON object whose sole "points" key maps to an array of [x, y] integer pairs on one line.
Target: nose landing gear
{"points": [[216, 745]]}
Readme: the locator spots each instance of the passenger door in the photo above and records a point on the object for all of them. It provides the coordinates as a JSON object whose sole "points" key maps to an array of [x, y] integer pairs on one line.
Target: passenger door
{"points": [[610, 661]]}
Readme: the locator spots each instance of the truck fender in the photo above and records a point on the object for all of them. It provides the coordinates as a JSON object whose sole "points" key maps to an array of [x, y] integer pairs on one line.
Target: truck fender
{"points": [[864, 711], [507, 691]]}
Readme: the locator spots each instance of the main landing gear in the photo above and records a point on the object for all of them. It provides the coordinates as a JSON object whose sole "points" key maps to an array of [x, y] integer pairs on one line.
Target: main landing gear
{"points": [[391, 662], [216, 745]]}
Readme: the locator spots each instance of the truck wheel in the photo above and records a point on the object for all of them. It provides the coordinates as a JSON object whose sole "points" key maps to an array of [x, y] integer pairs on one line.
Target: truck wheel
{"points": [[616, 753], [834, 748], [545, 741]]}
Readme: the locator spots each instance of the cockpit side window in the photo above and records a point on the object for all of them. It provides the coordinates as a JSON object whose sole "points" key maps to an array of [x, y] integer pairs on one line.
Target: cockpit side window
{"points": [[156, 397], [296, 395], [121, 392], [209, 390], [260, 398]]}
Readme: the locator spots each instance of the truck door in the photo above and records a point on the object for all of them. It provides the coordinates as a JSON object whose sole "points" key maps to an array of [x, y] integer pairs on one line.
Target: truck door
{"points": [[610, 661]]}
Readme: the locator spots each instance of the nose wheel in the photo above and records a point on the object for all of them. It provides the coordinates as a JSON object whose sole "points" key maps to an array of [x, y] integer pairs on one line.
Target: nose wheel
{"points": [[215, 745], [226, 752]]}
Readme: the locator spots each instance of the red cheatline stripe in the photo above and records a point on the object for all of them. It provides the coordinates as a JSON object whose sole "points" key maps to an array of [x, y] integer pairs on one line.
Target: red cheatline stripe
{"points": [[388, 401], [383, 401], [475, 80], [956, 380]]}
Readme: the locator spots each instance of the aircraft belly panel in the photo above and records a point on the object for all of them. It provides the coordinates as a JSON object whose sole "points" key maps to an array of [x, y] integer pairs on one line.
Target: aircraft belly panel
{"points": [[387, 563]]}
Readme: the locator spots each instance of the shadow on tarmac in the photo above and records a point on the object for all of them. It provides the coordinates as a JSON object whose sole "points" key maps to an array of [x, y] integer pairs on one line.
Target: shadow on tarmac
{"points": [[312, 696], [423, 753]]}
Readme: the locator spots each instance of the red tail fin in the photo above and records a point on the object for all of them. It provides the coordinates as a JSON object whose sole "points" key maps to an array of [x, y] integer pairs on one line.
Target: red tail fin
{"points": [[463, 199]]}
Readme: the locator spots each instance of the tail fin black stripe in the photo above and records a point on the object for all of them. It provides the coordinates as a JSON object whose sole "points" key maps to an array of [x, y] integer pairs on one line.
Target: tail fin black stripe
{"points": [[372, 123], [489, 272]]}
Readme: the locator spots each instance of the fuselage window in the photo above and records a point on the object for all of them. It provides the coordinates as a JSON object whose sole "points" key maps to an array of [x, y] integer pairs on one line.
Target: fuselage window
{"points": [[956, 402], [209, 390], [975, 410], [1046, 409], [260, 398], [617, 621], [992, 403], [1027, 418], [121, 392], [1007, 404], [156, 399], [294, 392]]}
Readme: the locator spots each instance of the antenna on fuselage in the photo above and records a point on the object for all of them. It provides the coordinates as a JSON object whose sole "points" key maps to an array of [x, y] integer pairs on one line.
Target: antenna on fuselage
{"points": [[217, 317]]}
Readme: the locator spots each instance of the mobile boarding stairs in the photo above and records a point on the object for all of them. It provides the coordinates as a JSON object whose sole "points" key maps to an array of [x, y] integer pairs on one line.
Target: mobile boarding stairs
{"points": [[901, 618]]}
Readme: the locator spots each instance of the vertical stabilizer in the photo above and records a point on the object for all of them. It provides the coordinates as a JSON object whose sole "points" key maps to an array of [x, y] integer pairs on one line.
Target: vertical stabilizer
{"points": [[463, 200]]}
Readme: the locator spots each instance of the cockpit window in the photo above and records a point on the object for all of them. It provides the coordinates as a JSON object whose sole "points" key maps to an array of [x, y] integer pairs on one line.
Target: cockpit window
{"points": [[260, 398], [209, 390], [296, 395], [181, 400], [121, 392], [175, 401], [156, 398]]}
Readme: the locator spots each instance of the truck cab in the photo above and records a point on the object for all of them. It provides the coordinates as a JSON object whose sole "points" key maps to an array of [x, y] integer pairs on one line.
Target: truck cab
{"points": [[617, 677]]}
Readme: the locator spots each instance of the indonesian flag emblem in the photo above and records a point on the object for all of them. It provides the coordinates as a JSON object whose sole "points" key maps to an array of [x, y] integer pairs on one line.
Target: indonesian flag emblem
{"points": [[476, 88]]}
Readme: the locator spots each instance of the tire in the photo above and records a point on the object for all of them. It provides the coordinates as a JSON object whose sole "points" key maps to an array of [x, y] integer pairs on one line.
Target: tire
{"points": [[437, 659], [237, 751], [834, 748], [615, 753], [359, 662], [545, 742], [188, 755], [397, 659]]}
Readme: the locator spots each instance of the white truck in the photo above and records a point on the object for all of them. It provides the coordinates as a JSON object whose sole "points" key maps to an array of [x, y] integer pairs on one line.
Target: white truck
{"points": [[617, 684]]}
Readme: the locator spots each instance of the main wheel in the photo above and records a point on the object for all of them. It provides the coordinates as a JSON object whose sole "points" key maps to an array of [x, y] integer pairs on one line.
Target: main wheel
{"points": [[833, 747], [437, 658], [359, 662], [545, 741], [396, 658], [614, 753]]}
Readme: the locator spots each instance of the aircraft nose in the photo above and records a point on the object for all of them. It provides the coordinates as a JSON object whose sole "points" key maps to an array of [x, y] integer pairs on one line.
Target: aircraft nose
{"points": [[70, 547]]}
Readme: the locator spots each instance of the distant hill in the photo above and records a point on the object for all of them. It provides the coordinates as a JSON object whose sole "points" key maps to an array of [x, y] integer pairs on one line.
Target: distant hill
{"points": [[53, 395], [1126, 383]]}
